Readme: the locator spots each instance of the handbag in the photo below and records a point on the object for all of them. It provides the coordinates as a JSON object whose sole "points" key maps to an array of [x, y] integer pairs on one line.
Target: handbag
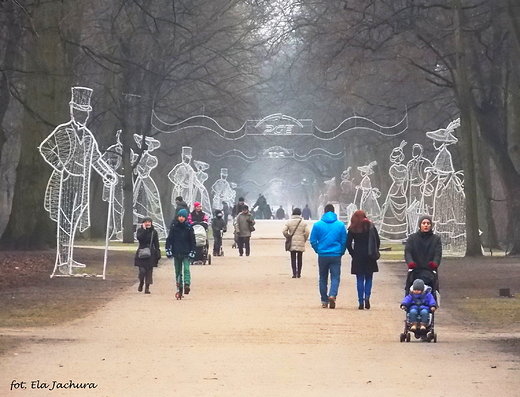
{"points": [[373, 249], [146, 252], [288, 240]]}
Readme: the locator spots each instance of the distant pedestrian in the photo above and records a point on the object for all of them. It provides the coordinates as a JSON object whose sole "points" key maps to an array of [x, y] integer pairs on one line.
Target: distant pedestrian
{"points": [[297, 230], [306, 212], [364, 264], [197, 216], [148, 238], [280, 213], [237, 208], [225, 211], [329, 241], [244, 226], [219, 227]]}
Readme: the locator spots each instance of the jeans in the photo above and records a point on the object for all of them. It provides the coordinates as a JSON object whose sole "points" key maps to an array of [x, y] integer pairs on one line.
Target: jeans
{"points": [[414, 315], [326, 265], [244, 241], [180, 264], [364, 286]]}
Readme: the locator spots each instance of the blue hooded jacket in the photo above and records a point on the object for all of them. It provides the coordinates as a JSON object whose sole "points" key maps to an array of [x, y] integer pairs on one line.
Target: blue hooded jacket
{"points": [[329, 236]]}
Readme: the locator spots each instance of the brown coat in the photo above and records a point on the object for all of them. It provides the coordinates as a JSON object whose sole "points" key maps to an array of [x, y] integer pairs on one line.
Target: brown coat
{"points": [[301, 235]]}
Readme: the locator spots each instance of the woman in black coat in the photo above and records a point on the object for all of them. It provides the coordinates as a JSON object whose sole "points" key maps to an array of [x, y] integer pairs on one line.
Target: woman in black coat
{"points": [[148, 238], [363, 263], [423, 253]]}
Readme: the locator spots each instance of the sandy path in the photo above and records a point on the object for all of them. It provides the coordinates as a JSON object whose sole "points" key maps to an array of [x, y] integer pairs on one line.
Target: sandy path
{"points": [[248, 329]]}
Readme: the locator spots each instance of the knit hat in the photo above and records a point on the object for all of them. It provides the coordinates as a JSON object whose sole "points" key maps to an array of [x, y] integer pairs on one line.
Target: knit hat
{"points": [[147, 219], [196, 204], [241, 199], [418, 285], [423, 217], [182, 212]]}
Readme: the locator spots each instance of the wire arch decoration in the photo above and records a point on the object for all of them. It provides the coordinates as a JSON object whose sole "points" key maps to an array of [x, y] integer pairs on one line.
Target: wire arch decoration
{"points": [[279, 152], [278, 124], [72, 151], [274, 181]]}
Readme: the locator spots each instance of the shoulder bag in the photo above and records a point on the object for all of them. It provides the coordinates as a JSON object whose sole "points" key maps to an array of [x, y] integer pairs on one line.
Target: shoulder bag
{"points": [[146, 252], [288, 240]]}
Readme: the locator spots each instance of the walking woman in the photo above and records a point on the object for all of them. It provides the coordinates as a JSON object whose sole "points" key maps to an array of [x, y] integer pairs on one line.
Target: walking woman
{"points": [[364, 262], [297, 228], [148, 238]]}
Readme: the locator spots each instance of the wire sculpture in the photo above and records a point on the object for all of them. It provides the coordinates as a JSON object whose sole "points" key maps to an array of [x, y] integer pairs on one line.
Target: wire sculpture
{"points": [[222, 191], [146, 197], [72, 151], [449, 200], [113, 156], [279, 125], [279, 152], [367, 199], [420, 192], [393, 224], [201, 193]]}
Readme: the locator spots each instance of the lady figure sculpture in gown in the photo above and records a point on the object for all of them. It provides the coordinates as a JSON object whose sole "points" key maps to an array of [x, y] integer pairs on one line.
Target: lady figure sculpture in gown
{"points": [[449, 200], [393, 223], [366, 195], [147, 201]]}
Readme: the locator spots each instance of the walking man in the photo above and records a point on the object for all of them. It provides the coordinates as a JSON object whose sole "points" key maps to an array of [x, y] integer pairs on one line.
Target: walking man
{"points": [[329, 241]]}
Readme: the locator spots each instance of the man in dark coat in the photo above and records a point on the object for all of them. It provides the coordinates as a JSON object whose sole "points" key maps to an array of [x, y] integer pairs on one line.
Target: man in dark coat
{"points": [[237, 208], [180, 245], [423, 251], [148, 238]]}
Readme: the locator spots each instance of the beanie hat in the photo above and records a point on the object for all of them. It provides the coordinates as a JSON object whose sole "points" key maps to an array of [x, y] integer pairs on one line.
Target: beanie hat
{"points": [[423, 217], [241, 199], [147, 219], [418, 285], [182, 212], [196, 204]]}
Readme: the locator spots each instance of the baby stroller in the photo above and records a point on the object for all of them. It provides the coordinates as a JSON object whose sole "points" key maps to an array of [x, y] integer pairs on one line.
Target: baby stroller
{"points": [[431, 281], [201, 244]]}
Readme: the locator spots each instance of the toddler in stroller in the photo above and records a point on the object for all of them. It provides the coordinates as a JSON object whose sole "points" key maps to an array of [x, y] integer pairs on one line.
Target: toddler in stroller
{"points": [[420, 306]]}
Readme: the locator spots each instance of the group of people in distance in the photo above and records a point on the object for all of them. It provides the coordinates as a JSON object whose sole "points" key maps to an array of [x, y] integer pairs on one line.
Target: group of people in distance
{"points": [[329, 238]]}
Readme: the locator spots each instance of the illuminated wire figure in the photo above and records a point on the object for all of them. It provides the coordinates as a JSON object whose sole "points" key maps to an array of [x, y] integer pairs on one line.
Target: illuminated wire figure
{"points": [[420, 192], [200, 192], [222, 191], [147, 201], [367, 199], [449, 200], [72, 151], [113, 156], [393, 224], [183, 178]]}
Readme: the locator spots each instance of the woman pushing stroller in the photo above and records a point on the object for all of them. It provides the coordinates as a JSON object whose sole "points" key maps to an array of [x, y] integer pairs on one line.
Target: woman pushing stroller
{"points": [[422, 253]]}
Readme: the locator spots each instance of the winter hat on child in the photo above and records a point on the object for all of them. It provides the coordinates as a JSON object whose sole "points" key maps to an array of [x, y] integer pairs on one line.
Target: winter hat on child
{"points": [[418, 285], [182, 212]]}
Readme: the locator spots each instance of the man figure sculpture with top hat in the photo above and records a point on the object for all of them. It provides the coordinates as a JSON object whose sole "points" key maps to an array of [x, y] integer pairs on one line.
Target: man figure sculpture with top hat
{"points": [[72, 152]]}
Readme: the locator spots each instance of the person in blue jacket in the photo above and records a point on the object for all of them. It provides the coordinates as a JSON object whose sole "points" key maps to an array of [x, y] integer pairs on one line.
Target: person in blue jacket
{"points": [[329, 241]]}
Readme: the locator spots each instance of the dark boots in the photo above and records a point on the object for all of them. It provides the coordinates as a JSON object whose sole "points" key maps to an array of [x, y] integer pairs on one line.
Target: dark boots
{"points": [[140, 288], [147, 289]]}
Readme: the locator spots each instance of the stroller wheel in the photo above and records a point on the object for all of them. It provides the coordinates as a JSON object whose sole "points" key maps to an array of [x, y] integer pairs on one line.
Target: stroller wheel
{"points": [[402, 338], [434, 337], [209, 259], [408, 337]]}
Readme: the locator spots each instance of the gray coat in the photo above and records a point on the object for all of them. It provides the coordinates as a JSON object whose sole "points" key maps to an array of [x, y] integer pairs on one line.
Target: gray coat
{"points": [[243, 225], [301, 235]]}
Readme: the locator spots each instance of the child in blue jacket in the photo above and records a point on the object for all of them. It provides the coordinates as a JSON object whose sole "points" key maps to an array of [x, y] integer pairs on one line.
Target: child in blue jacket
{"points": [[419, 303]]}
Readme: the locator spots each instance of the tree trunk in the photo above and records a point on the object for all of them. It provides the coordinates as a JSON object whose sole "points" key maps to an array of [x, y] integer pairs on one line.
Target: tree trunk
{"points": [[462, 94], [46, 106]]}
